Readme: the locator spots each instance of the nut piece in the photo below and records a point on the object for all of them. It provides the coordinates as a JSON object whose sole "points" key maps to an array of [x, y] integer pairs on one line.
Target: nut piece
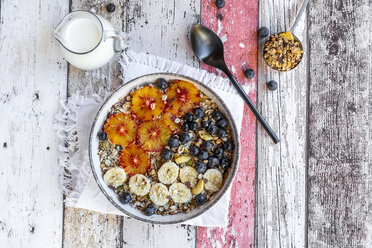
{"points": [[198, 187], [205, 135], [182, 159]]}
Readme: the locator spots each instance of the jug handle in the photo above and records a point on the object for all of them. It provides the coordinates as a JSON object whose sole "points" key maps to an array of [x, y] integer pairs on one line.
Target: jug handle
{"points": [[120, 39]]}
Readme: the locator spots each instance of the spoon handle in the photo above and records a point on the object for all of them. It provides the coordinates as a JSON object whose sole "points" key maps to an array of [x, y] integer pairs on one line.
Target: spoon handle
{"points": [[250, 104], [299, 14]]}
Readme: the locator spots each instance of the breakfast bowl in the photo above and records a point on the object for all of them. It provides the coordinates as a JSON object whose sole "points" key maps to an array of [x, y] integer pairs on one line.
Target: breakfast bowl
{"points": [[141, 191]]}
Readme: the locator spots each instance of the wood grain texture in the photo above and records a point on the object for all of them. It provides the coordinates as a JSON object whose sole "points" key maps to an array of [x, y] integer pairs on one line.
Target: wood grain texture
{"points": [[162, 34], [30, 73], [340, 80], [281, 168], [138, 234], [84, 228], [236, 24]]}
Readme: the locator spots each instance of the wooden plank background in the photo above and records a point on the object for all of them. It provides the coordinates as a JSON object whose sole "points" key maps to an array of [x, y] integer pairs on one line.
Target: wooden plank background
{"points": [[281, 168], [340, 80], [312, 190]]}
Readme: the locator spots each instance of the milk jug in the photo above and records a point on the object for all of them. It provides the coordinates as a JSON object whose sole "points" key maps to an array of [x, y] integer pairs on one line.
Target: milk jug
{"points": [[88, 41]]}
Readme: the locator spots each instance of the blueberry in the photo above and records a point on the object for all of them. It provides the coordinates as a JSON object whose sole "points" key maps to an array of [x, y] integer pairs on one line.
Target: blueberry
{"points": [[249, 73], [218, 152], [173, 142], [166, 154], [200, 167], [263, 32], [200, 199], [194, 126], [207, 145], [212, 129], [194, 150], [222, 123], [150, 210], [217, 115], [222, 133], [199, 113], [125, 198], [213, 162], [228, 146], [184, 138], [225, 162], [188, 117], [272, 85], [161, 84], [102, 136], [110, 7], [203, 155], [206, 123], [220, 4], [185, 127]]}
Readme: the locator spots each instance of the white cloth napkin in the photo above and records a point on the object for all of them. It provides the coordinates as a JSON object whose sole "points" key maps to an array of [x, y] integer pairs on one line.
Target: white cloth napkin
{"points": [[74, 120]]}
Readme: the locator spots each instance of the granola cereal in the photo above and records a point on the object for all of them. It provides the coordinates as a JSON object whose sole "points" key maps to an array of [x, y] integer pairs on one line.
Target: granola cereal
{"points": [[168, 149], [283, 51]]}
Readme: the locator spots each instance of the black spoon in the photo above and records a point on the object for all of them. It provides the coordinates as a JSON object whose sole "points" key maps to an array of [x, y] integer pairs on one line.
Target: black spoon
{"points": [[208, 47]]}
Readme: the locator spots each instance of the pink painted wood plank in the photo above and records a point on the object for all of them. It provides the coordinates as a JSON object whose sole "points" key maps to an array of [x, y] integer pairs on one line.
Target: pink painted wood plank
{"points": [[236, 24]]}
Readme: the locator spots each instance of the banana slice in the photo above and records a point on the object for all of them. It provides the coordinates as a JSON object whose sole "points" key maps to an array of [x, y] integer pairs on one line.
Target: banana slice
{"points": [[115, 176], [168, 173], [214, 180], [198, 187], [159, 194], [180, 193], [139, 184], [188, 175]]}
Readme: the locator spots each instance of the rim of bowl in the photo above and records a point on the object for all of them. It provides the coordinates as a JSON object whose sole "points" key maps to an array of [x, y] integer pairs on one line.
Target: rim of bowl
{"points": [[263, 52], [232, 171]]}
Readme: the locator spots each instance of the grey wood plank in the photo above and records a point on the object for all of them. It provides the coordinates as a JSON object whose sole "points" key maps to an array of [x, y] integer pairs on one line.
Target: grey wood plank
{"points": [[32, 76], [340, 80], [281, 168]]}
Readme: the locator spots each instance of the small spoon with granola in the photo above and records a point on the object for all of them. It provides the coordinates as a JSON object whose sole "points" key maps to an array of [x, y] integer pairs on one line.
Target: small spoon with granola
{"points": [[284, 51]]}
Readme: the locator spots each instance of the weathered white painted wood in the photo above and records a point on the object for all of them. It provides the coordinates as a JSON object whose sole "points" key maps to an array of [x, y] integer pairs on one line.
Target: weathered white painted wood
{"points": [[137, 234], [157, 27], [340, 80], [32, 76], [86, 228], [281, 168]]}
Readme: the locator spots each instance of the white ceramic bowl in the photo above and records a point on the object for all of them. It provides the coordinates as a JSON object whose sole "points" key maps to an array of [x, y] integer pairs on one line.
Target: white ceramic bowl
{"points": [[95, 161]]}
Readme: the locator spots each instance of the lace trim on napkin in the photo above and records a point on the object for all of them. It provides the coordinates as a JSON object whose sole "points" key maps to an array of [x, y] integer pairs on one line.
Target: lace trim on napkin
{"points": [[73, 174]]}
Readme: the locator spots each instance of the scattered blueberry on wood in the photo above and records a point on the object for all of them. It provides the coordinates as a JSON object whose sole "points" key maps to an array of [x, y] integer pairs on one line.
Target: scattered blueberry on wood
{"points": [[263, 32], [272, 85], [220, 4], [110, 7], [249, 73]]}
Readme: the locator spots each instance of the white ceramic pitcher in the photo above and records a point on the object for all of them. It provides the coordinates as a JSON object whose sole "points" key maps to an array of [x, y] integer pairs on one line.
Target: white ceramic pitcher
{"points": [[88, 41]]}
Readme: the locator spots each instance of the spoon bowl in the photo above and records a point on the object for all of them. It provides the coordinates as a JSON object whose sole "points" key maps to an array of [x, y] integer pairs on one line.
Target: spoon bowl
{"points": [[207, 46]]}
